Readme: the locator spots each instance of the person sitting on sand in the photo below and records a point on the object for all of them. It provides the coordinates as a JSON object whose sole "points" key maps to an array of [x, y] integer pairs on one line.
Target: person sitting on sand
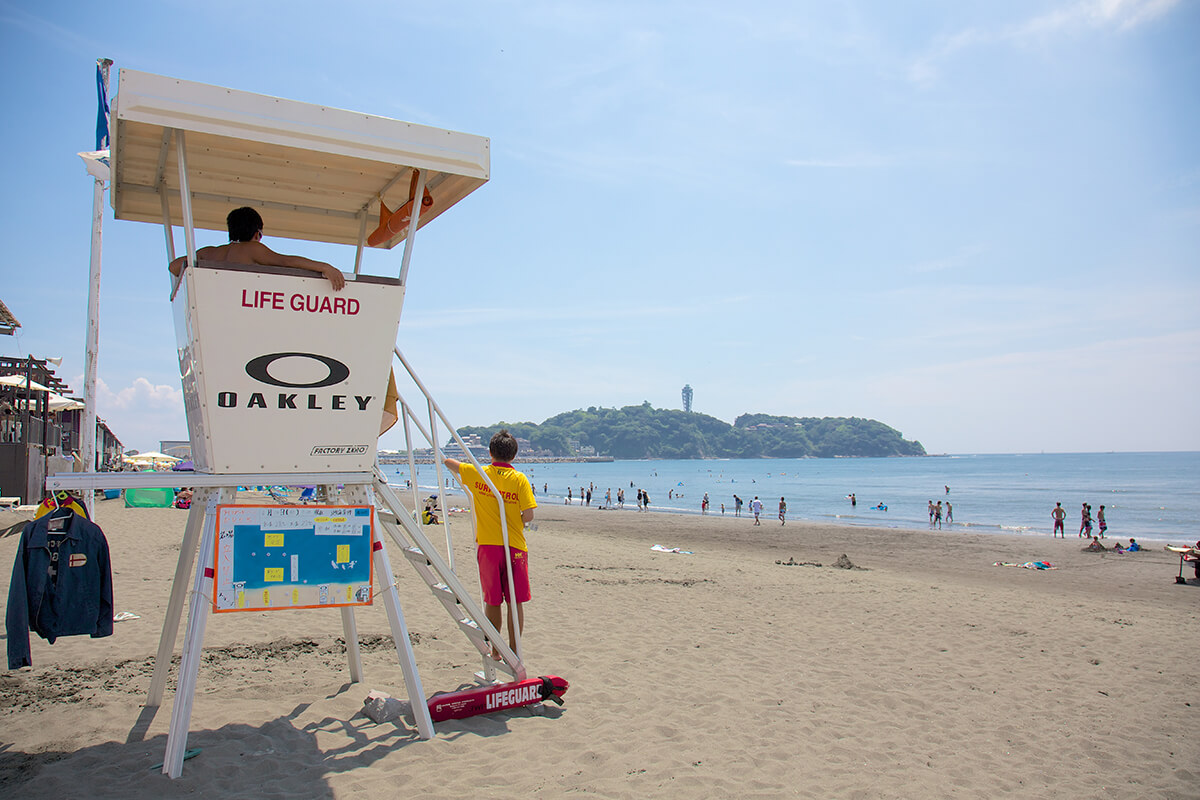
{"points": [[245, 247], [1094, 546], [1133, 546]]}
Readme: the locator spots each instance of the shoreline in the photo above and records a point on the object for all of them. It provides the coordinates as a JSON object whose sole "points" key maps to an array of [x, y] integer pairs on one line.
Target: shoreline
{"points": [[840, 521]]}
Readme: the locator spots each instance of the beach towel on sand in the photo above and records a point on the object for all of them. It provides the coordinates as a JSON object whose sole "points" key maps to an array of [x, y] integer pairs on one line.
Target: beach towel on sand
{"points": [[1026, 565], [658, 548]]}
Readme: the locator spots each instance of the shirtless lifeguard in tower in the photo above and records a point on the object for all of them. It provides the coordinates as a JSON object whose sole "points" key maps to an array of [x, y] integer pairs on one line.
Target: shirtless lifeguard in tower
{"points": [[245, 247]]}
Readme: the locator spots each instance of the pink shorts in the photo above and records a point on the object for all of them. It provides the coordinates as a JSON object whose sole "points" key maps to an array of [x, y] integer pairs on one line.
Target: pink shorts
{"points": [[493, 576]]}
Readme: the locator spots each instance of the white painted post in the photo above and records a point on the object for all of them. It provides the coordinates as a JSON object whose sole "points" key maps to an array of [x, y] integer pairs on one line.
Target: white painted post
{"points": [[185, 197], [353, 652], [92, 348], [193, 641], [412, 462], [183, 569], [404, 650], [413, 221], [441, 482]]}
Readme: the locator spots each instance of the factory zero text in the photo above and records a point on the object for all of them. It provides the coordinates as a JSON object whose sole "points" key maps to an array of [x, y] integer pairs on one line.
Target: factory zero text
{"points": [[311, 303]]}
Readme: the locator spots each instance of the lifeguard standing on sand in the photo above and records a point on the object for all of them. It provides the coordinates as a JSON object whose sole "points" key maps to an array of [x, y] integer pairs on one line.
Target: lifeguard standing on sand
{"points": [[519, 504]]}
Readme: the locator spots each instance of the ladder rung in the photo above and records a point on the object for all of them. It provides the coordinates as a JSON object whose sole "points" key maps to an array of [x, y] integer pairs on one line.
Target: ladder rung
{"points": [[501, 666], [473, 632], [449, 599], [416, 556]]}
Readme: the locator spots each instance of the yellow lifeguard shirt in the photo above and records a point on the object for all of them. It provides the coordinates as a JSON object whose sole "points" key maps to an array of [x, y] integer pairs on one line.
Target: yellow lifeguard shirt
{"points": [[518, 496]]}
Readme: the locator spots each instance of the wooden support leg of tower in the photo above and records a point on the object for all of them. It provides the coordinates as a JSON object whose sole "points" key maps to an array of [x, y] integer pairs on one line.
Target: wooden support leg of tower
{"points": [[404, 650], [183, 570], [353, 652], [363, 495], [193, 640]]}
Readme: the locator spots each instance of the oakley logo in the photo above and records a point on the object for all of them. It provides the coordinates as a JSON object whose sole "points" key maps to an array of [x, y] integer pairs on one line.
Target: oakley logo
{"points": [[258, 369]]}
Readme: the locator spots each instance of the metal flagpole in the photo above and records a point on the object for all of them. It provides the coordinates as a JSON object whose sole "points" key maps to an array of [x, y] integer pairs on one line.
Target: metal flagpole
{"points": [[97, 166]]}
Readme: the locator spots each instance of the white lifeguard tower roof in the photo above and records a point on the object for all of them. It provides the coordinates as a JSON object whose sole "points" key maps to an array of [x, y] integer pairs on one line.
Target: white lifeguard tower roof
{"points": [[314, 171]]}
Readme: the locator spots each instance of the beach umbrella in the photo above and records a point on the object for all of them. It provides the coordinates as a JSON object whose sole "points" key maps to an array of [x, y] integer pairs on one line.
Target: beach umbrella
{"points": [[55, 402], [153, 455], [17, 380]]}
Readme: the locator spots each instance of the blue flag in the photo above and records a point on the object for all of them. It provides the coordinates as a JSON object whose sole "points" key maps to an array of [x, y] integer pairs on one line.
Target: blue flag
{"points": [[102, 66]]}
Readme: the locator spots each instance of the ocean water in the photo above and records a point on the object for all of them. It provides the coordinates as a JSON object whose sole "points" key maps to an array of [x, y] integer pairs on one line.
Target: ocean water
{"points": [[1155, 496]]}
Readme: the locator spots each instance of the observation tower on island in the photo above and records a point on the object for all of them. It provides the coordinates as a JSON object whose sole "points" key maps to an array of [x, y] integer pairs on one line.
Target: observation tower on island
{"points": [[687, 397]]}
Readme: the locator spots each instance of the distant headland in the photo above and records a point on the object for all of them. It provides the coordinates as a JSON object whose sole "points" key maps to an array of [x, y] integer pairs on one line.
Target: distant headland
{"points": [[638, 432]]}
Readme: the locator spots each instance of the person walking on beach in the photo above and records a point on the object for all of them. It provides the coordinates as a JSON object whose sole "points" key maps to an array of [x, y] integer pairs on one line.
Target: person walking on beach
{"points": [[756, 507], [937, 514], [782, 511], [646, 500], [519, 504], [1059, 514], [620, 498], [1101, 521], [931, 513], [569, 496], [949, 513], [737, 506], [1085, 521], [639, 499]]}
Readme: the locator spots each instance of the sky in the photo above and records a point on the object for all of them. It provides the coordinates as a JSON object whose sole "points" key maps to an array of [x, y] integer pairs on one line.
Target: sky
{"points": [[976, 222]]}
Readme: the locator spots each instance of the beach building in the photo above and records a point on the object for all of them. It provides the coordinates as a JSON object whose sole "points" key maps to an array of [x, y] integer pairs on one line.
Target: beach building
{"points": [[40, 429], [8, 323], [179, 448]]}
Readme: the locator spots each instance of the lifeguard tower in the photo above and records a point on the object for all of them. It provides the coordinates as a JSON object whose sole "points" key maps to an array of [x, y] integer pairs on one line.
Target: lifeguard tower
{"points": [[286, 381]]}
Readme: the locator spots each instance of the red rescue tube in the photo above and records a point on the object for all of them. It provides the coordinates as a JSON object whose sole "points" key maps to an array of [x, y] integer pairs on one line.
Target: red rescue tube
{"points": [[499, 697]]}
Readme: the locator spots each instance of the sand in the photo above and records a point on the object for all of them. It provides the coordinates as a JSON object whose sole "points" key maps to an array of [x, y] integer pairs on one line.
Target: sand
{"points": [[924, 671]]}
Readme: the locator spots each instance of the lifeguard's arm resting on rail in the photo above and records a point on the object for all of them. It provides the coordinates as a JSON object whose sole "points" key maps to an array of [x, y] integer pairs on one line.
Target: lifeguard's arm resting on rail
{"points": [[259, 253]]}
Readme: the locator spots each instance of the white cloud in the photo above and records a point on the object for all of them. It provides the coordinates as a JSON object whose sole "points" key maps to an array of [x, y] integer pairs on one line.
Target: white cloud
{"points": [[142, 414], [1121, 15], [142, 395]]}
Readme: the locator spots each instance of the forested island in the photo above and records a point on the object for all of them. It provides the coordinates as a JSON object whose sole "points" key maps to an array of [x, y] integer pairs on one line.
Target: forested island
{"points": [[645, 432]]}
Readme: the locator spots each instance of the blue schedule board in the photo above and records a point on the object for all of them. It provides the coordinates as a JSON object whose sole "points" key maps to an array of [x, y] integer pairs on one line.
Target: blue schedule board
{"points": [[273, 557]]}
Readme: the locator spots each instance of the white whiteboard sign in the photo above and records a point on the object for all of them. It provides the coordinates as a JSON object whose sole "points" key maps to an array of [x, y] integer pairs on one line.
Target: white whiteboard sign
{"points": [[282, 374]]}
